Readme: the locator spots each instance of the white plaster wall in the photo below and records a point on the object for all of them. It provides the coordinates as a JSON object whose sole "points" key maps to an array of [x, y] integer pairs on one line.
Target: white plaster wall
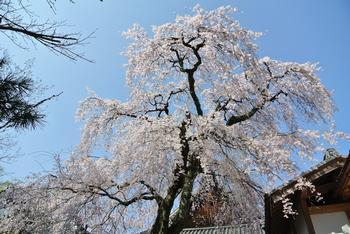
{"points": [[329, 222]]}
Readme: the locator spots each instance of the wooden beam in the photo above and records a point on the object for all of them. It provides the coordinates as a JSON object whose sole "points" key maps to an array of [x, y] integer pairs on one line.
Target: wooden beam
{"points": [[325, 188], [329, 208]]}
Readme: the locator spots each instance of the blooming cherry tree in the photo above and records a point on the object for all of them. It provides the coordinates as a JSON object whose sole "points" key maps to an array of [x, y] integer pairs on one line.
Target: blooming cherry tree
{"points": [[204, 112]]}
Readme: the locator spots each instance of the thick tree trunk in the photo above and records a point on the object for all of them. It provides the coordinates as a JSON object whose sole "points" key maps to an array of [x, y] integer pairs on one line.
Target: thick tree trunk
{"points": [[161, 223], [184, 209], [183, 183]]}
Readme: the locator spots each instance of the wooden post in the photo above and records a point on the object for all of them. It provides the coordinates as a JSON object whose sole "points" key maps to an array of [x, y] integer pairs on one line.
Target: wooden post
{"points": [[305, 210], [268, 204]]}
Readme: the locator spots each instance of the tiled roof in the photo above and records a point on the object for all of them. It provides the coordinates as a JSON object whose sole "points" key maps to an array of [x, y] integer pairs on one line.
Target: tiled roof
{"points": [[327, 165], [331, 155], [311, 169], [236, 229]]}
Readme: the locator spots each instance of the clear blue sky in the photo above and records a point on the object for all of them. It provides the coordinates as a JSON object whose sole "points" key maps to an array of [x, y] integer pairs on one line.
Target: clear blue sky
{"points": [[295, 30]]}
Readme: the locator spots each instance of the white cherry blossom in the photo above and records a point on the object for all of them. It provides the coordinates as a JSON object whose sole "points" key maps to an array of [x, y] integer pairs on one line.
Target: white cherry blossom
{"points": [[204, 113]]}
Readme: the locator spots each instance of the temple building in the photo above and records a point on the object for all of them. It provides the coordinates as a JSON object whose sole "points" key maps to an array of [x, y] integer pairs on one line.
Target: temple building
{"points": [[328, 215]]}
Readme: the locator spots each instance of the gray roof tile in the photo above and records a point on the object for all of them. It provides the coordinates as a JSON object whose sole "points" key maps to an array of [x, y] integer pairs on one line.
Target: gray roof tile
{"points": [[236, 229]]}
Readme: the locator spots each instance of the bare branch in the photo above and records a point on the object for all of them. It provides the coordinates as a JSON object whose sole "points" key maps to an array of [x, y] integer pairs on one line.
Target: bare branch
{"points": [[240, 118]]}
